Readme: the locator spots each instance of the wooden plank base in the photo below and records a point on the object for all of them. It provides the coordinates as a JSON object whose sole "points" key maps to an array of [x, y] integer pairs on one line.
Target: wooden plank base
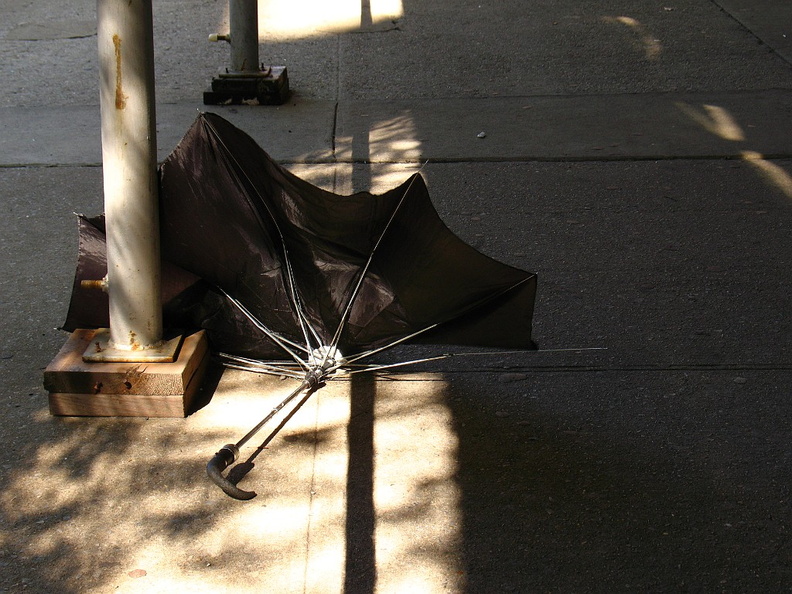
{"points": [[79, 388]]}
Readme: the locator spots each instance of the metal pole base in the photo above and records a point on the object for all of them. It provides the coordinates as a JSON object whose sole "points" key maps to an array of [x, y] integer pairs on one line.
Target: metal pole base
{"points": [[270, 86], [121, 389], [102, 350]]}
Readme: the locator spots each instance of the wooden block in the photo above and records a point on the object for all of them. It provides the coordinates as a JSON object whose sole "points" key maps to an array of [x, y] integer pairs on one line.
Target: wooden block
{"points": [[79, 388], [68, 372]]}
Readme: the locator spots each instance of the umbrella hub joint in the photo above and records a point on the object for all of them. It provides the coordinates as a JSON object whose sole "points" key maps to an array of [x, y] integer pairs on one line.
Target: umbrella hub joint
{"points": [[314, 379], [326, 359]]}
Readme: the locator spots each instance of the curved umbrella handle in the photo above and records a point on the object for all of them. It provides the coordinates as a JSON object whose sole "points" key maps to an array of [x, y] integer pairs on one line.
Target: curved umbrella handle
{"points": [[222, 460]]}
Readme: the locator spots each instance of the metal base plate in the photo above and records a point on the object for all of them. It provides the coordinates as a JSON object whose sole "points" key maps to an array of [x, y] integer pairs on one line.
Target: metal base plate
{"points": [[101, 351], [270, 86]]}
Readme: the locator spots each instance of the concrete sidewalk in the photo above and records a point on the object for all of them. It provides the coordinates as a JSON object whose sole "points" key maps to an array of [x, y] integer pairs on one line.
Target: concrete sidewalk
{"points": [[636, 155]]}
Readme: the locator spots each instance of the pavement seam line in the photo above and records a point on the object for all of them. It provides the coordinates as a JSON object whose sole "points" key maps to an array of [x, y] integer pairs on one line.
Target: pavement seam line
{"points": [[750, 31]]}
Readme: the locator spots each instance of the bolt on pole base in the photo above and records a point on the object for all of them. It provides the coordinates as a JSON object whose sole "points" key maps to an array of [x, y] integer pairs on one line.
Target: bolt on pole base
{"points": [[269, 86], [102, 350]]}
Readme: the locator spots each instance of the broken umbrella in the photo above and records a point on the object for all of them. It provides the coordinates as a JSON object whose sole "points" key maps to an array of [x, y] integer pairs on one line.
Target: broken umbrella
{"points": [[290, 279]]}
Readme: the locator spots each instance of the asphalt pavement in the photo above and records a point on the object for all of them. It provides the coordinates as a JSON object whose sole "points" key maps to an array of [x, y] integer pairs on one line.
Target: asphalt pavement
{"points": [[636, 154]]}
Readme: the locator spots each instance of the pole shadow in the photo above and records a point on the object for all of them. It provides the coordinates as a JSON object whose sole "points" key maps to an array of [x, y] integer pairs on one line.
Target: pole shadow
{"points": [[360, 570]]}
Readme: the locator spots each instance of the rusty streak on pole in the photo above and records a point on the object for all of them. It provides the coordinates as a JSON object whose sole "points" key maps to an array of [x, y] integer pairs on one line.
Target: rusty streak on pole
{"points": [[129, 157]]}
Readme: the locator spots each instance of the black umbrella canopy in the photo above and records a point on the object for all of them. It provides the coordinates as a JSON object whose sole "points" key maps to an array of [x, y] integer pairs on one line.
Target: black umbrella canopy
{"points": [[277, 256]]}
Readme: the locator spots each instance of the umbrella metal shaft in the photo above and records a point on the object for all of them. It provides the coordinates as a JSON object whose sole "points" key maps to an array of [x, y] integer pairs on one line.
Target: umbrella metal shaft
{"points": [[228, 454], [298, 390]]}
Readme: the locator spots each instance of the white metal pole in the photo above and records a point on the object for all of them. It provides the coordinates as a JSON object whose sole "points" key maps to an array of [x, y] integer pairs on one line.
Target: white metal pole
{"points": [[129, 157], [243, 22]]}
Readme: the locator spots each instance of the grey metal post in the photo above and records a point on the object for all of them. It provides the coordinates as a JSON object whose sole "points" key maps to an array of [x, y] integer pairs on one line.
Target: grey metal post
{"points": [[243, 21], [129, 157], [246, 81]]}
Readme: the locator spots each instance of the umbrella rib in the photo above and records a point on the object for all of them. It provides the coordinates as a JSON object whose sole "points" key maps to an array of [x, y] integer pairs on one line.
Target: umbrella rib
{"points": [[245, 364], [261, 371], [364, 271], [296, 303], [398, 341], [532, 351], [281, 341], [370, 368], [305, 324], [390, 345], [279, 364]]}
